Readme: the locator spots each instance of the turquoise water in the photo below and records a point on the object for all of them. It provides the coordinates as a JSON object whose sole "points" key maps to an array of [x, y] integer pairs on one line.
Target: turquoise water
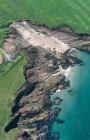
{"points": [[76, 105]]}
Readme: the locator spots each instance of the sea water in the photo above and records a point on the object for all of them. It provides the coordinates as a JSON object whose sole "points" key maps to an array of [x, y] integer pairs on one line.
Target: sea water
{"points": [[76, 104]]}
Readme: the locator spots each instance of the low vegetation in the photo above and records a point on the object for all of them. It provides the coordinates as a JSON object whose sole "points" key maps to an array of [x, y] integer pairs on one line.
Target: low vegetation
{"points": [[9, 83]]}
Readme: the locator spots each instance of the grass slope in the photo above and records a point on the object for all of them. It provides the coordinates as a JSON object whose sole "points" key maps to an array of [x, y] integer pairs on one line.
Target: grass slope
{"points": [[9, 83], [75, 13]]}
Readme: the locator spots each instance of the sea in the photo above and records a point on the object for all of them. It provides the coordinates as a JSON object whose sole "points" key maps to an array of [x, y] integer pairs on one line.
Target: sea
{"points": [[75, 108]]}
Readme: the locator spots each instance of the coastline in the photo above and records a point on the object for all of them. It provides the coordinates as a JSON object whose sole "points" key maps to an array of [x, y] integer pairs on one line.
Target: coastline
{"points": [[75, 105], [38, 74]]}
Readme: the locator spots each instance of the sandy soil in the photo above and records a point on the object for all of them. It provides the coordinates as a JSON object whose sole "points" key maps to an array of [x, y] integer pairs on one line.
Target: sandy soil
{"points": [[35, 38], [8, 45]]}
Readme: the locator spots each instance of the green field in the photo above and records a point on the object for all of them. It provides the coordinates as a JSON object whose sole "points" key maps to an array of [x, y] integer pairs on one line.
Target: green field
{"points": [[75, 13], [9, 83]]}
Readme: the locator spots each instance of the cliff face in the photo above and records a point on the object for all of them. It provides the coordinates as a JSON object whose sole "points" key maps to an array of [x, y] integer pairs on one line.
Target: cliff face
{"points": [[32, 107]]}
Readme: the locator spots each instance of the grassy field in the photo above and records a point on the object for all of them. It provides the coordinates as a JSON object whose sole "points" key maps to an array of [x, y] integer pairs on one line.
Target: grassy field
{"points": [[75, 13], [9, 83], [6, 66]]}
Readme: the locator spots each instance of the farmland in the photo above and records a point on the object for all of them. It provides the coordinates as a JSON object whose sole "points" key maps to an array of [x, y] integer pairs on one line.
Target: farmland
{"points": [[75, 13], [53, 13]]}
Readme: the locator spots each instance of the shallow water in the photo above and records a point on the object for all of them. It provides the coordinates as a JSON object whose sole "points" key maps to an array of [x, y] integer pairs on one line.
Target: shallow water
{"points": [[76, 104]]}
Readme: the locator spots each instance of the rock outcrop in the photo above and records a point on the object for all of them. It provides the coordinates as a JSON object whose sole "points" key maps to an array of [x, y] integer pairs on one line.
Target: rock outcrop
{"points": [[31, 109]]}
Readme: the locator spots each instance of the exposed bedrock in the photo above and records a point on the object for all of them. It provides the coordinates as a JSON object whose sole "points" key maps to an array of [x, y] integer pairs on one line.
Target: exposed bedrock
{"points": [[69, 60], [32, 103]]}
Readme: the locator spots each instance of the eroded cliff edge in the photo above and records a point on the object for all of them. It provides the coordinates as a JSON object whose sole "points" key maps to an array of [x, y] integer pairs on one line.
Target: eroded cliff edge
{"points": [[46, 50]]}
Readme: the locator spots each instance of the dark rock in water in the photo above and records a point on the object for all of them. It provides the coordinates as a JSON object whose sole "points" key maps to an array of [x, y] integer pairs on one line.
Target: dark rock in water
{"points": [[54, 136], [60, 121], [73, 60], [64, 84], [82, 64], [69, 91], [67, 83], [69, 60], [54, 113], [57, 100]]}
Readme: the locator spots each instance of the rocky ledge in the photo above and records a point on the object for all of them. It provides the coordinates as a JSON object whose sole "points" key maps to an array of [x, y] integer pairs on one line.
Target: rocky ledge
{"points": [[31, 109]]}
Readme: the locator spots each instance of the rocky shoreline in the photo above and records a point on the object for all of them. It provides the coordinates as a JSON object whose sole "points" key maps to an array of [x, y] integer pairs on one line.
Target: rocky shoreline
{"points": [[32, 107]]}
